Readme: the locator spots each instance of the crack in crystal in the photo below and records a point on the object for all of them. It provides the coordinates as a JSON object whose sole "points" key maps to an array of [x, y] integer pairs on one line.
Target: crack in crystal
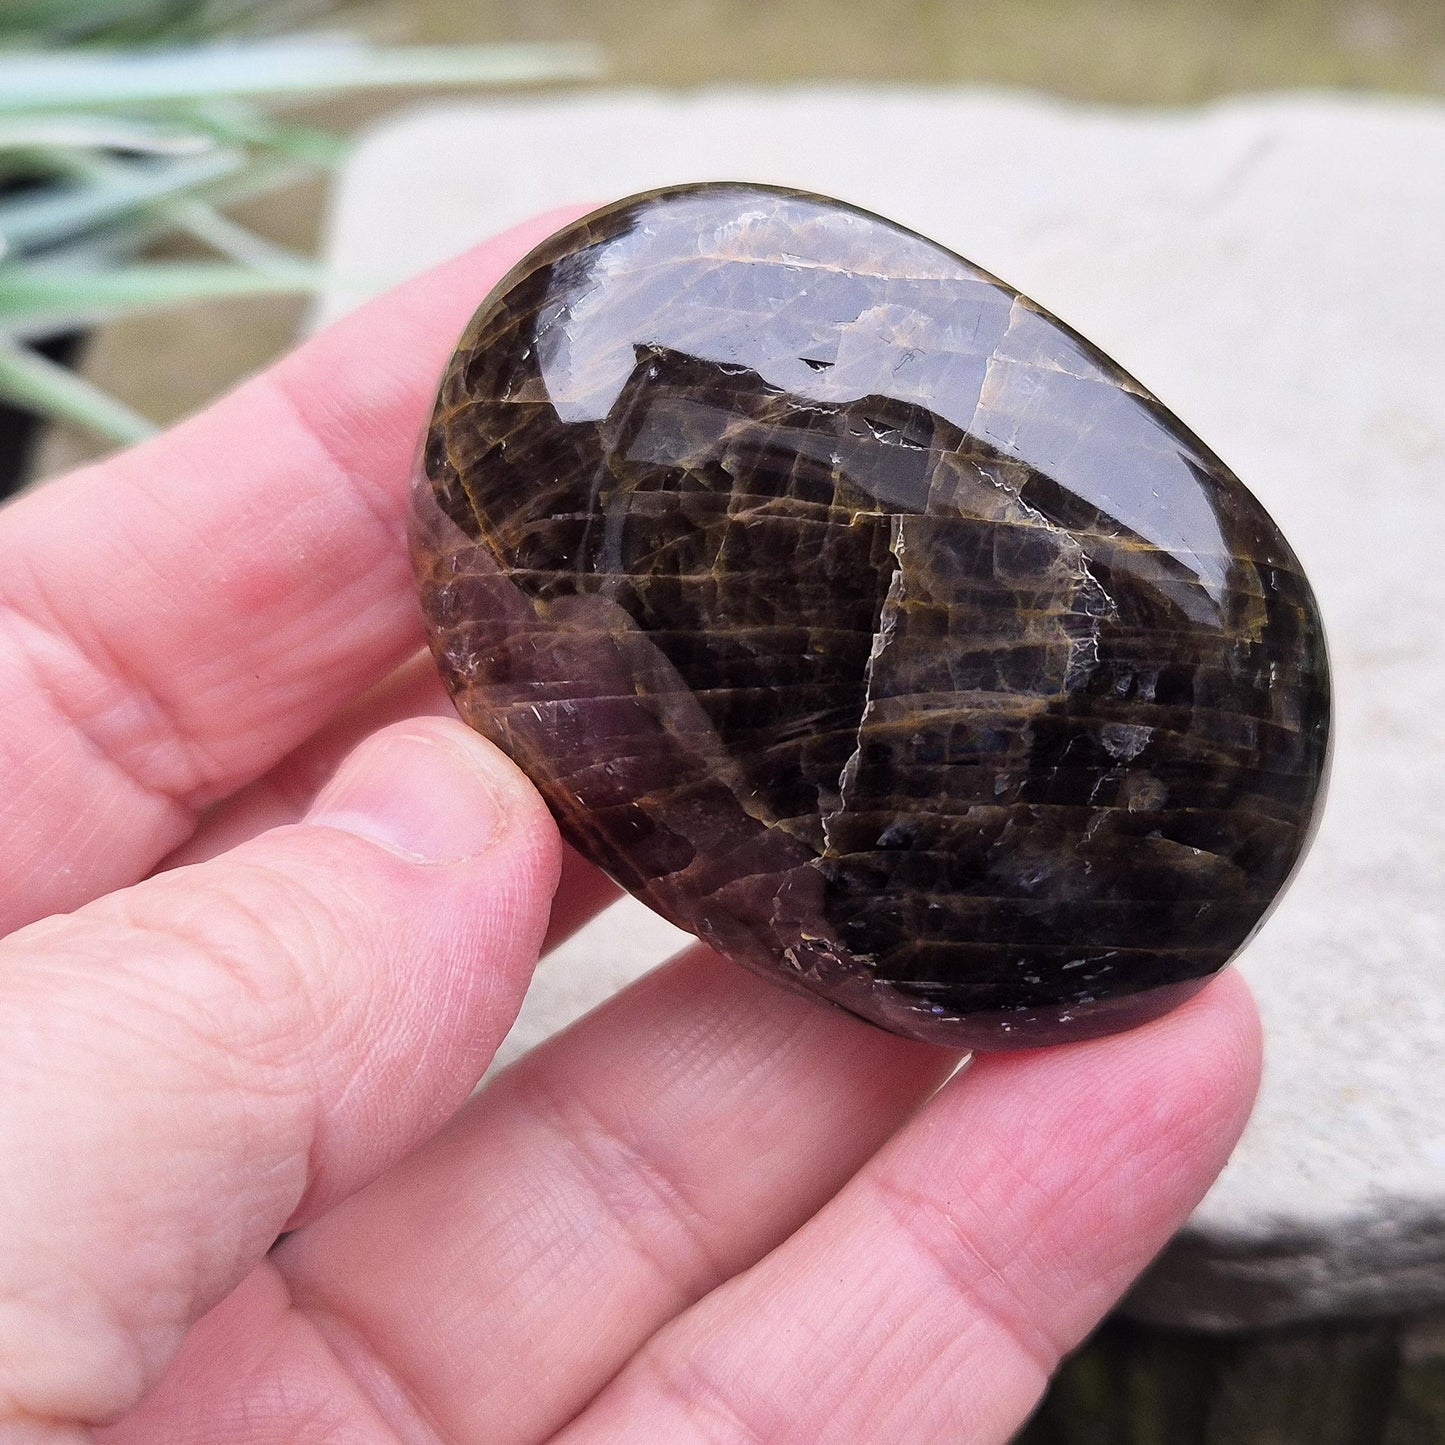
{"points": [[1083, 655], [883, 634]]}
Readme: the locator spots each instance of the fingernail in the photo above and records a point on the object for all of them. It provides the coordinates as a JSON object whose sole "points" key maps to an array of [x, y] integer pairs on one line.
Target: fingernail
{"points": [[422, 796]]}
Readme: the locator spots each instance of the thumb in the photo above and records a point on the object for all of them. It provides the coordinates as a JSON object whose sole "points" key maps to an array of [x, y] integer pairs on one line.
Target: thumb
{"points": [[194, 1063]]}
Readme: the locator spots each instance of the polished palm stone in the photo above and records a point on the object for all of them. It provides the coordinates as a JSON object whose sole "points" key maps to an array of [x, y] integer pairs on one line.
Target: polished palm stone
{"points": [[868, 622]]}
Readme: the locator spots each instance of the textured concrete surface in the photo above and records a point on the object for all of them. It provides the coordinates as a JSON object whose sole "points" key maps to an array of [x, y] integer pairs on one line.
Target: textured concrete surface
{"points": [[1272, 270]]}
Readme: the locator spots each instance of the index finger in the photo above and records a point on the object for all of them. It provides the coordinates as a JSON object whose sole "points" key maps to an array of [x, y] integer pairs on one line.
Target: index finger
{"points": [[179, 617]]}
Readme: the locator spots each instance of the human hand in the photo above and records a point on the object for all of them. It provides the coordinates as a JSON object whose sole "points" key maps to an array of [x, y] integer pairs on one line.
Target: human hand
{"points": [[712, 1211]]}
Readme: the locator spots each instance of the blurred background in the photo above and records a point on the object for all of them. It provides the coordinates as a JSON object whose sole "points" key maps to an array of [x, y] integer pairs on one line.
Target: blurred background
{"points": [[169, 222]]}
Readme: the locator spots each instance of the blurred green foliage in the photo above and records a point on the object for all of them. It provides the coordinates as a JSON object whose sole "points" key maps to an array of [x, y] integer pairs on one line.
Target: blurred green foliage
{"points": [[138, 22], [124, 121]]}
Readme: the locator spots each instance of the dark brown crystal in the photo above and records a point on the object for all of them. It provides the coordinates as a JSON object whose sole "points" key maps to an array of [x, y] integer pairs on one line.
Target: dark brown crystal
{"points": [[868, 622]]}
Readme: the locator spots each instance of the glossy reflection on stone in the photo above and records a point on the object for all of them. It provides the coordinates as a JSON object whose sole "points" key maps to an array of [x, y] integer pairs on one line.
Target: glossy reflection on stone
{"points": [[866, 621]]}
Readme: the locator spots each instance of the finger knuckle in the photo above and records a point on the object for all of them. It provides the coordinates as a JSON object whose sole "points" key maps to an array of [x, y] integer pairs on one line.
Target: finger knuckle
{"points": [[950, 1245], [246, 958]]}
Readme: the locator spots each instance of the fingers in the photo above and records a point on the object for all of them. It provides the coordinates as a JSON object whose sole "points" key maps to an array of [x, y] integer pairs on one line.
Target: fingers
{"points": [[285, 793], [501, 1276], [930, 1300], [194, 1063], [175, 620], [256, 1371]]}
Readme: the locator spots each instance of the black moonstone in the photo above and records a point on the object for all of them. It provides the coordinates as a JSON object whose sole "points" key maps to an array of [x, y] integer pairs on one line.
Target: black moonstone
{"points": [[867, 621]]}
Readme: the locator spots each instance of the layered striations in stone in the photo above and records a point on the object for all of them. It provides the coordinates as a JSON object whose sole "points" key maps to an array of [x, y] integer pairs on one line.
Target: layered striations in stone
{"points": [[868, 622]]}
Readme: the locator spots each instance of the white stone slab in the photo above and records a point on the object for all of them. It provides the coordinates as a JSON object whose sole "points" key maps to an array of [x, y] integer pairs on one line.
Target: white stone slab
{"points": [[1275, 270]]}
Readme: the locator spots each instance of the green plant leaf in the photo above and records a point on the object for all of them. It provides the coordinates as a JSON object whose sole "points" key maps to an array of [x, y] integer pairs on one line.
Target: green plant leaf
{"points": [[125, 237], [240, 123], [190, 213], [76, 130], [41, 298], [229, 238], [38, 384], [36, 218], [38, 80], [55, 22]]}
